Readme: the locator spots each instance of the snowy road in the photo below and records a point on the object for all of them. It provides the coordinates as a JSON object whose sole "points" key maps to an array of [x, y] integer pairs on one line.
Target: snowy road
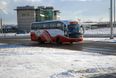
{"points": [[89, 46], [39, 62], [21, 58]]}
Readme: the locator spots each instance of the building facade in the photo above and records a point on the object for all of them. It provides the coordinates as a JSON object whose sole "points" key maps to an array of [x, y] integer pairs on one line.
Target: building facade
{"points": [[46, 13], [28, 14], [25, 16], [56, 15]]}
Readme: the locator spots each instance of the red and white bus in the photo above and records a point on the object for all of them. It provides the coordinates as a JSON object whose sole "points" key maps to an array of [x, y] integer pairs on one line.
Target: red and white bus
{"points": [[58, 31]]}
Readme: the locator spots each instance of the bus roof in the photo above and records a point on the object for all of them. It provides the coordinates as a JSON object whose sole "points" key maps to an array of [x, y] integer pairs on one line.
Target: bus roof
{"points": [[66, 22]]}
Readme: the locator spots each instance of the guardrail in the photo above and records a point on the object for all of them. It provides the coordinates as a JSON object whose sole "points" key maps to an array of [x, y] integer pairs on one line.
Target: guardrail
{"points": [[99, 32]]}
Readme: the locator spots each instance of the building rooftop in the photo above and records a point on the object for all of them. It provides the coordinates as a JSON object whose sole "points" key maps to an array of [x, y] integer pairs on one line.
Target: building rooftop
{"points": [[25, 8], [57, 11], [49, 7]]}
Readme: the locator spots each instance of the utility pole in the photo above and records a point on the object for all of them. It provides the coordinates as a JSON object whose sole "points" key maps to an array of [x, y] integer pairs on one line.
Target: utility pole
{"points": [[111, 23], [1, 22], [114, 13]]}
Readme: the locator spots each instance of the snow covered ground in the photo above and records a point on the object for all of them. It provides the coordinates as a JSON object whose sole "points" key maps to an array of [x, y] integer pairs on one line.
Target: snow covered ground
{"points": [[37, 62], [14, 35], [100, 32], [102, 39]]}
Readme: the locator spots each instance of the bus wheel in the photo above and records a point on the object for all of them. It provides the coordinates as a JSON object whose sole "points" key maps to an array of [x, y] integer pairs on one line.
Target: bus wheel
{"points": [[40, 41], [71, 42], [58, 41]]}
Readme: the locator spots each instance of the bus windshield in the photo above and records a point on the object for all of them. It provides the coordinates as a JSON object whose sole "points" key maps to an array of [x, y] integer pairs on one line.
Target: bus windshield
{"points": [[72, 28]]}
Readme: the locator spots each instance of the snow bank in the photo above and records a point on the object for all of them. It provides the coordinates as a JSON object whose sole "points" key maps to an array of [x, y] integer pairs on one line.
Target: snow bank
{"points": [[102, 39], [39, 62], [14, 35], [100, 32]]}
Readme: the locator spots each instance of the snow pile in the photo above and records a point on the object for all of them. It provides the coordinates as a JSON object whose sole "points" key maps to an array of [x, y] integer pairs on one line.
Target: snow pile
{"points": [[100, 31], [102, 39], [39, 62], [14, 35]]}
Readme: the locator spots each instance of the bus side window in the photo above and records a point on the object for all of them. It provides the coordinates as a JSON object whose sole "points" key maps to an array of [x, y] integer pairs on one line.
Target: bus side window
{"points": [[48, 25], [51, 25], [34, 27], [44, 26], [59, 25], [37, 26]]}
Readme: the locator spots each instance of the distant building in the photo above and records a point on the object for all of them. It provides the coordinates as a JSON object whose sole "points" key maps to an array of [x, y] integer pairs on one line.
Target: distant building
{"points": [[46, 13], [40, 13], [28, 14], [25, 16], [9, 28], [56, 15]]}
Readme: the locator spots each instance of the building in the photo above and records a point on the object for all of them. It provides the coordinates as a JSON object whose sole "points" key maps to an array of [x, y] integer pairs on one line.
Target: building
{"points": [[40, 13], [49, 13], [28, 14], [56, 15], [25, 16], [46, 13], [9, 28]]}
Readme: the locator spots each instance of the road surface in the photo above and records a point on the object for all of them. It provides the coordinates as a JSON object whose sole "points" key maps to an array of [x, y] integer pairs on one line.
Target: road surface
{"points": [[89, 57], [88, 46]]}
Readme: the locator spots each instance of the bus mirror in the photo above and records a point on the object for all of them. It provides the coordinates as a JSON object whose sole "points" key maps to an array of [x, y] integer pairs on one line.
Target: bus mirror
{"points": [[82, 30]]}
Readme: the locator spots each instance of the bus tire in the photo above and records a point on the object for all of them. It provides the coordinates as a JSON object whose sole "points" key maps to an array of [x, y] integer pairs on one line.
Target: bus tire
{"points": [[58, 41], [40, 41], [71, 42]]}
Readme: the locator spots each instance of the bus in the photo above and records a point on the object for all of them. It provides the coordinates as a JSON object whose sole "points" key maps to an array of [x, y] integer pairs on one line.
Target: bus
{"points": [[59, 31]]}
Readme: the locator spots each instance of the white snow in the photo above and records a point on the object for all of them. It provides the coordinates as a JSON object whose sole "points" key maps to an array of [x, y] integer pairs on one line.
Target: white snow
{"points": [[100, 31], [102, 39], [14, 35], [39, 62]]}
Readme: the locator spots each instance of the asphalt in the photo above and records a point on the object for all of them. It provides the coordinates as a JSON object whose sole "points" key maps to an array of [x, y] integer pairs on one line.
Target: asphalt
{"points": [[87, 46]]}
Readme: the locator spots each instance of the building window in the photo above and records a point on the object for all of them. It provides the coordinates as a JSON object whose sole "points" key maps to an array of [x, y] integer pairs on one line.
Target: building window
{"points": [[25, 14]]}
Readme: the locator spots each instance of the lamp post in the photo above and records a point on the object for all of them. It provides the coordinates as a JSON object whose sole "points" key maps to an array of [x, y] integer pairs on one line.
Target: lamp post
{"points": [[111, 23], [1, 21], [114, 12]]}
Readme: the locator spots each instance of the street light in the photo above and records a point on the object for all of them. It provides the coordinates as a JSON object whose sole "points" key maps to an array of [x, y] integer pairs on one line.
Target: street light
{"points": [[111, 23], [114, 12], [1, 21]]}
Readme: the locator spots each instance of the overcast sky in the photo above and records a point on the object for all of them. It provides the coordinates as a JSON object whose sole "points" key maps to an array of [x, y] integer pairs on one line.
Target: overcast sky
{"points": [[86, 10]]}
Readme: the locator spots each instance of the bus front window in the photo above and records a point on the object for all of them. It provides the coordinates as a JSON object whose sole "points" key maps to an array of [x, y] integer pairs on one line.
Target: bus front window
{"points": [[73, 30]]}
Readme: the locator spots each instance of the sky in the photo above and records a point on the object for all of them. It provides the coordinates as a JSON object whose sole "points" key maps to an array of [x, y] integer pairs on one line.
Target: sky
{"points": [[85, 10]]}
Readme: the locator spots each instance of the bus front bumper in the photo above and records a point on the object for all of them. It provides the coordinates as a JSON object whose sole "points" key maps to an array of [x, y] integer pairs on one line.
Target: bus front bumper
{"points": [[67, 39]]}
